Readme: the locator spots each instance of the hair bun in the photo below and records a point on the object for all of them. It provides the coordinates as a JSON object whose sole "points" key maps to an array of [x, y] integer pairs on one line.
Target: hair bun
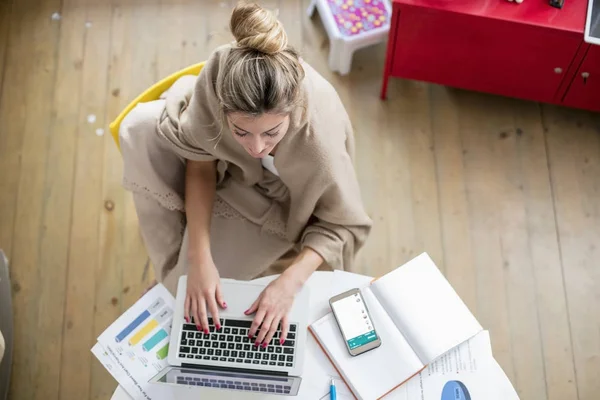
{"points": [[256, 28]]}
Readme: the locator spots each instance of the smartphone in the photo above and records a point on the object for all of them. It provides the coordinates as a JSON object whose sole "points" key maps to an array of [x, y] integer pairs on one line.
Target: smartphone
{"points": [[355, 322]]}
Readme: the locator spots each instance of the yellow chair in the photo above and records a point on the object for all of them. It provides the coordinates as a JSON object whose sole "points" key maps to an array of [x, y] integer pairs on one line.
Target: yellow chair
{"points": [[150, 94]]}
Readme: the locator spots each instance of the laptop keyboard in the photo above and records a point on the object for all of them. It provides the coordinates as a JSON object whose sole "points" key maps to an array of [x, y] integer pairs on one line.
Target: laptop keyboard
{"points": [[232, 344], [234, 384]]}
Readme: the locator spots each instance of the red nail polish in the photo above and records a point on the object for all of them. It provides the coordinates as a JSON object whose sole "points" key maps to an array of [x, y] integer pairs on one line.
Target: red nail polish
{"points": [[187, 320], [250, 335], [246, 312], [224, 305], [199, 328], [218, 327], [206, 331], [256, 344], [280, 341], [264, 345]]}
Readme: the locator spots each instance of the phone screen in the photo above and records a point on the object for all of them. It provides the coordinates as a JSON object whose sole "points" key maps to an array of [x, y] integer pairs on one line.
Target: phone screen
{"points": [[354, 320]]}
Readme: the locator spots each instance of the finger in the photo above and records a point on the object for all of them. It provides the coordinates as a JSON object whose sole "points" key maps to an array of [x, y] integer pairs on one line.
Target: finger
{"points": [[253, 307], [285, 326], [264, 329], [219, 297], [186, 309], [202, 314], [258, 319], [194, 313], [271, 332], [214, 311]]}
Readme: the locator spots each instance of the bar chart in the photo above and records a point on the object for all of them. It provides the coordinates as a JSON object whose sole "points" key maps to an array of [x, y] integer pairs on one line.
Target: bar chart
{"points": [[163, 352], [139, 339], [140, 319], [154, 340]]}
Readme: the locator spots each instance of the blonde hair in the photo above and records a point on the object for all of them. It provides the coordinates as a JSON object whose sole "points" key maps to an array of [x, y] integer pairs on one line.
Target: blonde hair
{"points": [[262, 73]]}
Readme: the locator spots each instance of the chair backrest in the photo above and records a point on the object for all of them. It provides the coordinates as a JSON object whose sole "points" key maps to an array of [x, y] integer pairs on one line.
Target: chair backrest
{"points": [[150, 94]]}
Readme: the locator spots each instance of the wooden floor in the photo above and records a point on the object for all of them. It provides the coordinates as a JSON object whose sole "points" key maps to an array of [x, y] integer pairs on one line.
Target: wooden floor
{"points": [[503, 194]]}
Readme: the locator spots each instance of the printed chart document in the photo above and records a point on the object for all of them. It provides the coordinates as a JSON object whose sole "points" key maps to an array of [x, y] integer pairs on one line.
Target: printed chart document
{"points": [[114, 369], [417, 315], [135, 347], [468, 371]]}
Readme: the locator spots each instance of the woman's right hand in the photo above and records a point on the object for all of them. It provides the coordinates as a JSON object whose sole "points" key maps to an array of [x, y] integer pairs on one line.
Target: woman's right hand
{"points": [[203, 293]]}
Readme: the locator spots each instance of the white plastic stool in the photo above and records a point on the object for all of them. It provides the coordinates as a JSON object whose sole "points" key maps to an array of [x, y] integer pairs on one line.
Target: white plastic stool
{"points": [[363, 24]]}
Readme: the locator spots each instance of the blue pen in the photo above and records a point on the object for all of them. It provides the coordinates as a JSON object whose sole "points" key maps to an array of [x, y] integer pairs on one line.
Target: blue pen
{"points": [[332, 393]]}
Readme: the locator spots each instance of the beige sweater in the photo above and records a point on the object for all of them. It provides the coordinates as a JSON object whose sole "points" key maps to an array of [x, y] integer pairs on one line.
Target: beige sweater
{"points": [[314, 202]]}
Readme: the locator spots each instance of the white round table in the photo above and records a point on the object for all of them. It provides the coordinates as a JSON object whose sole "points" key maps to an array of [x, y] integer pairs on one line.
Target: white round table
{"points": [[318, 370]]}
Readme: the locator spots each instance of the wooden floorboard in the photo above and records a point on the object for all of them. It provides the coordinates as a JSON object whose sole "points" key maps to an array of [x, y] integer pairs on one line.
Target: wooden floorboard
{"points": [[109, 267], [144, 71], [420, 151], [12, 118], [503, 194], [87, 206], [453, 205], [478, 127], [370, 137], [574, 159], [5, 22], [57, 197], [30, 232], [553, 318], [516, 256]]}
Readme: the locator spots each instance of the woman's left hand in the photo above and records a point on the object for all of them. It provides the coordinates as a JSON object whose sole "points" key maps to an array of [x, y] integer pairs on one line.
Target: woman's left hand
{"points": [[272, 307], [274, 303]]}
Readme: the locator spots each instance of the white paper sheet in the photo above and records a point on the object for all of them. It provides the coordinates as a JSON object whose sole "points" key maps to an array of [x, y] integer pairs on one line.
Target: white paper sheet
{"points": [[425, 308], [135, 343], [126, 385]]}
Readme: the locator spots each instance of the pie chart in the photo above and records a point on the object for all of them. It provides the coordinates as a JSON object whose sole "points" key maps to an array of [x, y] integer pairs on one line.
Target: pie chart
{"points": [[455, 390]]}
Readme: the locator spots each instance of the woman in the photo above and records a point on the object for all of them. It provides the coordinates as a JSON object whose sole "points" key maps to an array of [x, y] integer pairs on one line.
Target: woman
{"points": [[265, 146]]}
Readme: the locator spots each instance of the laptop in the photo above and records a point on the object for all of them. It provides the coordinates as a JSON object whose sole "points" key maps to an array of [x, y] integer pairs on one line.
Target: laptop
{"points": [[225, 361]]}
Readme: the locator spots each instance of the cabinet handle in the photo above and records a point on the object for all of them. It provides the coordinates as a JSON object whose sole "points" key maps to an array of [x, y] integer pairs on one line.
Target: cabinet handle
{"points": [[558, 70], [585, 76]]}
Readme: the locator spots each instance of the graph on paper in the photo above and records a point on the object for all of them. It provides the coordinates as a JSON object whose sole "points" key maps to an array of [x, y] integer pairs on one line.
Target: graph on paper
{"points": [[140, 319], [139, 338]]}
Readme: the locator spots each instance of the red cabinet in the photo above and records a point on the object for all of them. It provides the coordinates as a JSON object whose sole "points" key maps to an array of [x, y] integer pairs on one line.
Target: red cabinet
{"points": [[529, 51]]}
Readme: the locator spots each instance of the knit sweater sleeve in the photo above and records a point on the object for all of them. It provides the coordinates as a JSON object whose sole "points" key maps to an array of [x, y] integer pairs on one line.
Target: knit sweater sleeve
{"points": [[339, 225]]}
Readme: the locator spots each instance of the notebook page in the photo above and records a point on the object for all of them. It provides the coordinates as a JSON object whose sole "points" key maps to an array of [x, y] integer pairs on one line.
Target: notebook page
{"points": [[425, 308], [372, 374]]}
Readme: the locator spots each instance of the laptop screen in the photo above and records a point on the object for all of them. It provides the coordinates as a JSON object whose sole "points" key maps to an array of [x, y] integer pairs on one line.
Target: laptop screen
{"points": [[229, 380]]}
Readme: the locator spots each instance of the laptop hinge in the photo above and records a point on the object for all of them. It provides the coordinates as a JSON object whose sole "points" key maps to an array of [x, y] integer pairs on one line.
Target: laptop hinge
{"points": [[234, 369]]}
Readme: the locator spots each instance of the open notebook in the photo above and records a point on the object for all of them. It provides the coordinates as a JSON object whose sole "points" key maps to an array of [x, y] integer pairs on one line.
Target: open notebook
{"points": [[418, 317]]}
